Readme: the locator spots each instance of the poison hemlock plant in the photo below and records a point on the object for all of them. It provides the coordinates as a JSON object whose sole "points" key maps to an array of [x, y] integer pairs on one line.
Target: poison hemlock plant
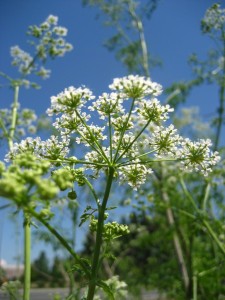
{"points": [[126, 114]]}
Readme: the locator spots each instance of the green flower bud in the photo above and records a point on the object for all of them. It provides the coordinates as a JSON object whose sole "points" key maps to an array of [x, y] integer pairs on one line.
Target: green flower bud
{"points": [[72, 195], [63, 178]]}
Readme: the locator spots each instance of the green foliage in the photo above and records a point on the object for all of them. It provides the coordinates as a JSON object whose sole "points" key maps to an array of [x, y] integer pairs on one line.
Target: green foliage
{"points": [[11, 288], [128, 43]]}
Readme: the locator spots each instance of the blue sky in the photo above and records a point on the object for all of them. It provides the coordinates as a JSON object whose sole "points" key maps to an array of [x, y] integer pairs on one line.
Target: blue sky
{"points": [[172, 34]]}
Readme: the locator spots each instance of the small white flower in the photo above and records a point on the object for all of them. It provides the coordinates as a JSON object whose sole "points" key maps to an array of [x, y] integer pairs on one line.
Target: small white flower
{"points": [[164, 141], [153, 111], [70, 99], [90, 134], [125, 145], [120, 123], [108, 104], [134, 86], [198, 156], [70, 123], [134, 174], [53, 20], [59, 30]]}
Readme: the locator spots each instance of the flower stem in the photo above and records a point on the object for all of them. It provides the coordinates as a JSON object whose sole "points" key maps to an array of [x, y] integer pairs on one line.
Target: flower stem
{"points": [[142, 40], [204, 221], [98, 244], [123, 132], [27, 255], [195, 287], [214, 236], [221, 104], [14, 117]]}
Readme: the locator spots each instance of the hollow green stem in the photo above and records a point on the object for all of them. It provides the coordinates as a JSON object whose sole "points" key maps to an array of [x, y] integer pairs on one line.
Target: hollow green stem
{"points": [[187, 194], [206, 197], [14, 117], [204, 221], [214, 236], [143, 44], [92, 191], [110, 136], [211, 270], [221, 100], [27, 257], [98, 243], [195, 287]]}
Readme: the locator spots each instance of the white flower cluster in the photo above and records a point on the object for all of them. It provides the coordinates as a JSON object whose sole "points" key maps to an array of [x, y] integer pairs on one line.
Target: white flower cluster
{"points": [[153, 111], [128, 136], [51, 149], [21, 59], [69, 100], [49, 41], [108, 104], [135, 174], [136, 86], [214, 18], [51, 38], [164, 141], [198, 156]]}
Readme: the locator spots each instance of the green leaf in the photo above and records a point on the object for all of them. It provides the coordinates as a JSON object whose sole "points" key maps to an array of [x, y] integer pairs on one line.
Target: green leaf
{"points": [[106, 289]]}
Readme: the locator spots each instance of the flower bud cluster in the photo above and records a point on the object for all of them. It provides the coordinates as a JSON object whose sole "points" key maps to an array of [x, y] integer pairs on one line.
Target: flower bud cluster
{"points": [[111, 230], [24, 180]]}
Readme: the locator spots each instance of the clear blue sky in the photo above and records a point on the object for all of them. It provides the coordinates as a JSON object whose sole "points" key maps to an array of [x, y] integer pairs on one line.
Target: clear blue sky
{"points": [[173, 34]]}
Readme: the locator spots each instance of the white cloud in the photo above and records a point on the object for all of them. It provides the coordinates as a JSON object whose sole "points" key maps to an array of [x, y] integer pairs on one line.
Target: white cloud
{"points": [[4, 264]]}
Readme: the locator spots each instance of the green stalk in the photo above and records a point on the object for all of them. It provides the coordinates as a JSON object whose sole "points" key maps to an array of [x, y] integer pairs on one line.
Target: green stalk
{"points": [[92, 191], [221, 104], [195, 287], [27, 230], [14, 117], [206, 197], [204, 221], [98, 243], [139, 27], [27, 257], [214, 236], [110, 136]]}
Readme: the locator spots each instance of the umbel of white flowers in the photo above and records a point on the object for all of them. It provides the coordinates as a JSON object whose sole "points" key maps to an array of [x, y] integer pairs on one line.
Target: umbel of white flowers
{"points": [[129, 135]]}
